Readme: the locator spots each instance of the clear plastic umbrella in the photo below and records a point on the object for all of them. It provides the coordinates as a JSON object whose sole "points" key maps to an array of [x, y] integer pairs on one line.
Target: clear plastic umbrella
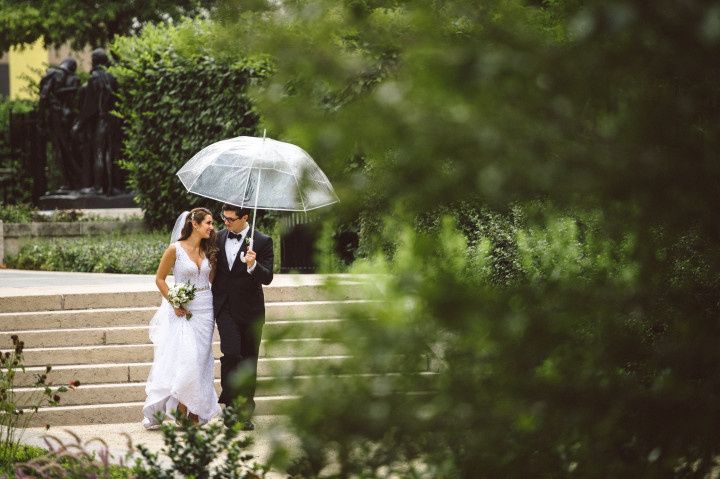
{"points": [[257, 173]]}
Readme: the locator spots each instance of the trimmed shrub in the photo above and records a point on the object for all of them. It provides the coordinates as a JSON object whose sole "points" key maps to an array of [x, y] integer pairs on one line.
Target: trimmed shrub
{"points": [[131, 254], [176, 99]]}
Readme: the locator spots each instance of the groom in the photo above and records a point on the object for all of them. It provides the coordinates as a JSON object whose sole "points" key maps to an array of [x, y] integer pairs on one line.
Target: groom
{"points": [[239, 306]]}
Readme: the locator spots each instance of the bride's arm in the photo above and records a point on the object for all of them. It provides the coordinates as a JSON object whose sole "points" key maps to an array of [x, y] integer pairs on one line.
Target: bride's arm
{"points": [[166, 263]]}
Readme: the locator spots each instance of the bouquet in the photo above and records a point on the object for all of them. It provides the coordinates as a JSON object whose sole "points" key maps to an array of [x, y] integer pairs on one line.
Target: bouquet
{"points": [[180, 294]]}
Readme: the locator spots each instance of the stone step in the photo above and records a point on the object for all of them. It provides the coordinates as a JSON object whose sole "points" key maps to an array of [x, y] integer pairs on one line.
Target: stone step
{"points": [[127, 353], [151, 297], [135, 392], [89, 374], [88, 318], [62, 416], [101, 336], [60, 302], [140, 316]]}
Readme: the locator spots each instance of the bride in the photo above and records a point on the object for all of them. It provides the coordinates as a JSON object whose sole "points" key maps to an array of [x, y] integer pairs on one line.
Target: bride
{"points": [[182, 373]]}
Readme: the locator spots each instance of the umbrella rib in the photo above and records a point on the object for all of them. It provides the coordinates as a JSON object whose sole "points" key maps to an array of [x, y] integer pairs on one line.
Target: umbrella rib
{"points": [[204, 195], [299, 193], [250, 173], [324, 204], [247, 183]]}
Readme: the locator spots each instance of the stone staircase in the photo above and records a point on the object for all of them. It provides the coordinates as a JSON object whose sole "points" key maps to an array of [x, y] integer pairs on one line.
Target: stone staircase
{"points": [[101, 339]]}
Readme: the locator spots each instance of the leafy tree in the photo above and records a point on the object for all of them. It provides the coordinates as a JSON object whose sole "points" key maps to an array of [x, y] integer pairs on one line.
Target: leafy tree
{"points": [[85, 22], [600, 358]]}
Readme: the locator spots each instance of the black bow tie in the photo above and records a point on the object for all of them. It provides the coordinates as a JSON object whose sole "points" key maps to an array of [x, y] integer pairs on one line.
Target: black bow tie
{"points": [[237, 236]]}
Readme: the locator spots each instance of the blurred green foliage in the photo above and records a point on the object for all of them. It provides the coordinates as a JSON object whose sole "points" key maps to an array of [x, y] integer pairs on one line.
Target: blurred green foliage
{"points": [[130, 254], [569, 312], [175, 99], [208, 451], [20, 454], [189, 450]]}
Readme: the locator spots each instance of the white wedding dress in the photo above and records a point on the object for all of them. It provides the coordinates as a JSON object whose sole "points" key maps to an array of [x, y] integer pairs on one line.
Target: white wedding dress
{"points": [[182, 368]]}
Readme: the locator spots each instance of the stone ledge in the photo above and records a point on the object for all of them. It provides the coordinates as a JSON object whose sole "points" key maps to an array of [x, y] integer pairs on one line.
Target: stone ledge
{"points": [[75, 228], [75, 200]]}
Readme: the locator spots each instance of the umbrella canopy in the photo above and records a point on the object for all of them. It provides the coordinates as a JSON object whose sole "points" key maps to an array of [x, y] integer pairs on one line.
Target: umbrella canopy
{"points": [[258, 173]]}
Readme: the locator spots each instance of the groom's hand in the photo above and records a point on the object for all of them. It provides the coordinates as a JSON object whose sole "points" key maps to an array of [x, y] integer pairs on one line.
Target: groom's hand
{"points": [[250, 257]]}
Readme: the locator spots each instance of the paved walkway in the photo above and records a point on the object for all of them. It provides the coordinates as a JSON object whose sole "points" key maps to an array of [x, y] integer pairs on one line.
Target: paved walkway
{"points": [[14, 282]]}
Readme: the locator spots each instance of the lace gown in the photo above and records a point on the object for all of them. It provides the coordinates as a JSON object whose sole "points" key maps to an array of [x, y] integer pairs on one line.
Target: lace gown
{"points": [[182, 368]]}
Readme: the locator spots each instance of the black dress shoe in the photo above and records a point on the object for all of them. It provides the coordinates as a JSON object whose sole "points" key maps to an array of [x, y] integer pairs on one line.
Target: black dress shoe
{"points": [[248, 425]]}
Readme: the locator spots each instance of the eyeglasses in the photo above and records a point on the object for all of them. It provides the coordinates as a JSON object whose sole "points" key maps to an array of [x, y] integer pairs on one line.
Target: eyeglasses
{"points": [[228, 220]]}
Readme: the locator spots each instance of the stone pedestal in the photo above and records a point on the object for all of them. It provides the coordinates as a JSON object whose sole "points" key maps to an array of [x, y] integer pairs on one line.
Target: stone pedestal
{"points": [[74, 200]]}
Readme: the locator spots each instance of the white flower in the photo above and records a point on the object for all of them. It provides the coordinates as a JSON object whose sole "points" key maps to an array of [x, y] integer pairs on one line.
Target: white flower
{"points": [[180, 294]]}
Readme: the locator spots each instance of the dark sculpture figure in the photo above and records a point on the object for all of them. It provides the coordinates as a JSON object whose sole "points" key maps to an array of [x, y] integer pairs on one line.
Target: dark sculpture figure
{"points": [[58, 91], [98, 129]]}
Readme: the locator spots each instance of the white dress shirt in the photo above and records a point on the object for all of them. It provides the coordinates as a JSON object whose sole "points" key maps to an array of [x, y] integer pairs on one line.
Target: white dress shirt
{"points": [[232, 248]]}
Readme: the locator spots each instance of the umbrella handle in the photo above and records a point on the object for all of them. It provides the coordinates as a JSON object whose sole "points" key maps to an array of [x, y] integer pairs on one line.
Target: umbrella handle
{"points": [[242, 253], [252, 234]]}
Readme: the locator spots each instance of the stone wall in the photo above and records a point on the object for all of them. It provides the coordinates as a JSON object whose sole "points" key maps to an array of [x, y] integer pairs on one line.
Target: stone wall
{"points": [[14, 235]]}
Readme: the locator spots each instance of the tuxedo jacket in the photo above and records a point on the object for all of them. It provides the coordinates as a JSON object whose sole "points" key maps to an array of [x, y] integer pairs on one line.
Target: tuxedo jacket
{"points": [[237, 289]]}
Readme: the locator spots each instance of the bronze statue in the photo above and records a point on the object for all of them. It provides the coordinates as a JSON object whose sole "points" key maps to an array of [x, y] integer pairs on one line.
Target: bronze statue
{"points": [[58, 91], [99, 129]]}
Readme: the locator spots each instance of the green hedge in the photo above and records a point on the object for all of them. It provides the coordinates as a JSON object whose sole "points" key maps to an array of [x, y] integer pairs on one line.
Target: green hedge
{"points": [[174, 100], [132, 254]]}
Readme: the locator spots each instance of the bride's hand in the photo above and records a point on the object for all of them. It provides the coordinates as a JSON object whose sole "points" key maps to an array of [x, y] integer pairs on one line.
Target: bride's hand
{"points": [[180, 312]]}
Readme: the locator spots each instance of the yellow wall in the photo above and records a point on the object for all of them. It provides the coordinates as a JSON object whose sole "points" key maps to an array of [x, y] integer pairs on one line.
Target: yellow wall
{"points": [[30, 61]]}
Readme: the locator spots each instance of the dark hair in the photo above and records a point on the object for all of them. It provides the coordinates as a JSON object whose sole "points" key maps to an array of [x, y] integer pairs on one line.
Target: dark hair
{"points": [[208, 246], [239, 211]]}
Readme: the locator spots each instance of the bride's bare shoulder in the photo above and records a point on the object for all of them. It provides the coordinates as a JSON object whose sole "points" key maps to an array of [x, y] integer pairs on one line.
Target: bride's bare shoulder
{"points": [[170, 250]]}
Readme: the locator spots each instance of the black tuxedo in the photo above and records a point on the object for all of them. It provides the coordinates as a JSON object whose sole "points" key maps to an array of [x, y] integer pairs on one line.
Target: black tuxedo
{"points": [[237, 289], [239, 305]]}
